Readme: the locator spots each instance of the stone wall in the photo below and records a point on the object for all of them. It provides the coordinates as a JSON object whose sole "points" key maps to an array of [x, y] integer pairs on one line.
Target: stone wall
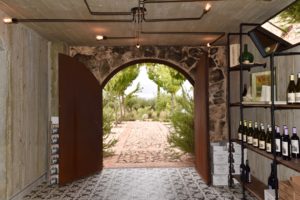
{"points": [[23, 108], [103, 61]]}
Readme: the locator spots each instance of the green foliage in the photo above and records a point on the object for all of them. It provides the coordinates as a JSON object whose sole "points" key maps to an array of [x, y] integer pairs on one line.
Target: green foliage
{"points": [[292, 13], [108, 118], [182, 135]]}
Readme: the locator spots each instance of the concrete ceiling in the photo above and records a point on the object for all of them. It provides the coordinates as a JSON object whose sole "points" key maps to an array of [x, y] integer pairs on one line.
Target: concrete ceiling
{"points": [[224, 16]]}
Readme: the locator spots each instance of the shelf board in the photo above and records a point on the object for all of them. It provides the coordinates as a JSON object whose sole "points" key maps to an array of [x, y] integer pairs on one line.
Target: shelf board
{"points": [[256, 187], [237, 104], [292, 164], [247, 66], [277, 107]]}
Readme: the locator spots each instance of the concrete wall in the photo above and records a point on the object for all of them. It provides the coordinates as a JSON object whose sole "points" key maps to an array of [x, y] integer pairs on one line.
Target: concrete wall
{"points": [[23, 108], [260, 166]]}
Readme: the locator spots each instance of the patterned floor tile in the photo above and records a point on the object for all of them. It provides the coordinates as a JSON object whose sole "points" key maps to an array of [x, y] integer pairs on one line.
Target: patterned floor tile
{"points": [[139, 184]]}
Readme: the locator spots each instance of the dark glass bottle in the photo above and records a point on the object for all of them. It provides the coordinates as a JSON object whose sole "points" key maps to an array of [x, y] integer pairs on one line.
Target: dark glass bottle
{"points": [[244, 90], [262, 138], [240, 131], [291, 90], [286, 143], [295, 144], [272, 180], [248, 172], [242, 172], [245, 131], [246, 57], [297, 94], [269, 140], [250, 134], [255, 135], [278, 141]]}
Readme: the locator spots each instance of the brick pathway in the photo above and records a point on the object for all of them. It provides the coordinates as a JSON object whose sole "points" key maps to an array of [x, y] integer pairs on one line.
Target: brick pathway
{"points": [[144, 144]]}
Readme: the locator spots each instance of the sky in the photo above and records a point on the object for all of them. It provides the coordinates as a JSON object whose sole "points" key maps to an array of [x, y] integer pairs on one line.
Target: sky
{"points": [[149, 88]]}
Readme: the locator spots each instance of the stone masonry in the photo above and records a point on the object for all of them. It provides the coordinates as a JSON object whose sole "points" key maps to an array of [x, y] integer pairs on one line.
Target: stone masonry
{"points": [[102, 61]]}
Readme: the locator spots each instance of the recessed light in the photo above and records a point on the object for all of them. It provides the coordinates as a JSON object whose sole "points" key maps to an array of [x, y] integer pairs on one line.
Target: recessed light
{"points": [[207, 7], [99, 37], [9, 20], [138, 45]]}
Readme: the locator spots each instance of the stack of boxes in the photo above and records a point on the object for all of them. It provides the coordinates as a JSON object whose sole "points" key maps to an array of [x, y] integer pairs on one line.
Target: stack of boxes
{"points": [[54, 152], [220, 162]]}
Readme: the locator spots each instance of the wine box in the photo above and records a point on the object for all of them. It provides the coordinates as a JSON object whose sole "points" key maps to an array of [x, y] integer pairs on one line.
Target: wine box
{"points": [[220, 180], [269, 194], [53, 166]]}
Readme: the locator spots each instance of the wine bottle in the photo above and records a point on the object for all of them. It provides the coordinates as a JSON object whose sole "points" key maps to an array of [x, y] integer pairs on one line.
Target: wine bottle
{"points": [[297, 94], [269, 140], [242, 172], [262, 138], [295, 144], [250, 134], [245, 131], [286, 143], [240, 131], [248, 172], [278, 141], [245, 90], [272, 180], [255, 135], [291, 90]]}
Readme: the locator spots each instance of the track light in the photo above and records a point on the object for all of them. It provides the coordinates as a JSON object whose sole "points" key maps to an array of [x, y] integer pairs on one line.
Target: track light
{"points": [[138, 45], [9, 20], [207, 7], [99, 37]]}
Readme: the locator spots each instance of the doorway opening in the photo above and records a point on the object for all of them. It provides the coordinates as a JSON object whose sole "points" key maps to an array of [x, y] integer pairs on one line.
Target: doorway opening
{"points": [[148, 117]]}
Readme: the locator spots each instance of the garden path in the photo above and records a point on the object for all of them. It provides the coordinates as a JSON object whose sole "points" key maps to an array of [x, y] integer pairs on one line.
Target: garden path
{"points": [[144, 144]]}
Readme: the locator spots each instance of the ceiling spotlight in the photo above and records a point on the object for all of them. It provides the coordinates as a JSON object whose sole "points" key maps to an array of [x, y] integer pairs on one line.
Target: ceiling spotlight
{"points": [[207, 7], [138, 45], [9, 20], [208, 45], [99, 37]]}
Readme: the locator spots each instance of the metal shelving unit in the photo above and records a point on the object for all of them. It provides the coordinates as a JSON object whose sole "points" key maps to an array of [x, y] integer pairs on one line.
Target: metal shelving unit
{"points": [[293, 164]]}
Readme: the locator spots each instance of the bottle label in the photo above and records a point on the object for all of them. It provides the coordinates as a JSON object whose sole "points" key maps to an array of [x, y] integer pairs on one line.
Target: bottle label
{"points": [[278, 147], [255, 142], [295, 146], [250, 140], [245, 138], [297, 97], [240, 136], [285, 146], [269, 147], [291, 97], [262, 144]]}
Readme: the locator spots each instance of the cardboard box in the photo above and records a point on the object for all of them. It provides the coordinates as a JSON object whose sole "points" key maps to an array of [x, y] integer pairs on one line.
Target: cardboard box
{"points": [[219, 180], [269, 194], [221, 169], [220, 158]]}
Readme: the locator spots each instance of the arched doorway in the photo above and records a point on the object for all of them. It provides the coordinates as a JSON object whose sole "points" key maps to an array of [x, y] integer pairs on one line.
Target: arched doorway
{"points": [[143, 105], [74, 79]]}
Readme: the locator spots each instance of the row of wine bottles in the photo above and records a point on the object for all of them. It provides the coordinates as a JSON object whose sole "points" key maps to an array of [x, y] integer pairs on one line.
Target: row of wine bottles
{"points": [[285, 146], [293, 90]]}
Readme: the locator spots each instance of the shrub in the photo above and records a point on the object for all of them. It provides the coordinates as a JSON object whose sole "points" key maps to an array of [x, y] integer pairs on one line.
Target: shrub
{"points": [[182, 134]]}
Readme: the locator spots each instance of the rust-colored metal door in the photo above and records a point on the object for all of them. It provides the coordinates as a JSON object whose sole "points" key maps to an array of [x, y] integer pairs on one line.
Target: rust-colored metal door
{"points": [[201, 119], [80, 118]]}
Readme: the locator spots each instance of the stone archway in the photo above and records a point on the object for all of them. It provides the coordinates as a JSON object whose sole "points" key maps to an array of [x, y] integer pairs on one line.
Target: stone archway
{"points": [[104, 62]]}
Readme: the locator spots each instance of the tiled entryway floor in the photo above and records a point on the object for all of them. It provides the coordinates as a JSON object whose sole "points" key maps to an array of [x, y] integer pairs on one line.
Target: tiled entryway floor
{"points": [[138, 184]]}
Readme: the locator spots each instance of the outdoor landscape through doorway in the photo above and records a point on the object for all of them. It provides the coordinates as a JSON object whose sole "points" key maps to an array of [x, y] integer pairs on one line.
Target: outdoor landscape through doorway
{"points": [[148, 118]]}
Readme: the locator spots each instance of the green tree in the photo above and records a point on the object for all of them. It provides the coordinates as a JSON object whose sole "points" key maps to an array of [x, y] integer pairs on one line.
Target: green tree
{"points": [[167, 78], [117, 86], [292, 13]]}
